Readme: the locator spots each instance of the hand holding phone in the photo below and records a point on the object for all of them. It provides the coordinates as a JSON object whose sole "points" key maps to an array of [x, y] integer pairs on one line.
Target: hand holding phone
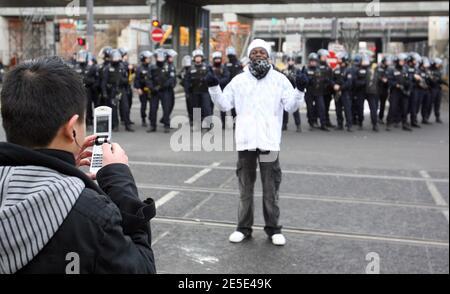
{"points": [[102, 131]]}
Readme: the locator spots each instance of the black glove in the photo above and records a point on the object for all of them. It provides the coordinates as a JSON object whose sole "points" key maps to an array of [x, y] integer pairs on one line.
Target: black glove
{"points": [[301, 81], [211, 80]]}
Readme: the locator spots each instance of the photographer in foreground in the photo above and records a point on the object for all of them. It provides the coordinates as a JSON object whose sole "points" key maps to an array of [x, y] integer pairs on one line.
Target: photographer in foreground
{"points": [[53, 217]]}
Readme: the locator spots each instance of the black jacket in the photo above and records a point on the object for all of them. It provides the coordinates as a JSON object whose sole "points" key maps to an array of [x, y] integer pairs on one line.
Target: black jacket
{"points": [[108, 226]]}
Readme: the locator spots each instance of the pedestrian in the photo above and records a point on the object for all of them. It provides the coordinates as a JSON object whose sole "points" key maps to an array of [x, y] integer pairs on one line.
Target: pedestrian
{"points": [[259, 95]]}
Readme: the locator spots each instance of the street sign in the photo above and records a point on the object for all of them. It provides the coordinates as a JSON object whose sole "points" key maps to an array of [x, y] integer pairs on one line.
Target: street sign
{"points": [[157, 35]]}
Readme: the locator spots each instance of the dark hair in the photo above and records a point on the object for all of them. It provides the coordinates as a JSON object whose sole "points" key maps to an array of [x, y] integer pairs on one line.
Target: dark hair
{"points": [[38, 97]]}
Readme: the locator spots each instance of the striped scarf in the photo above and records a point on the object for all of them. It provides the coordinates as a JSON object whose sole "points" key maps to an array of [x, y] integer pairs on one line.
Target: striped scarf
{"points": [[34, 202]]}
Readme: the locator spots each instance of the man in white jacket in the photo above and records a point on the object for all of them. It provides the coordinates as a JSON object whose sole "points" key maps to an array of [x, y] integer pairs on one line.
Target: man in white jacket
{"points": [[260, 95]]}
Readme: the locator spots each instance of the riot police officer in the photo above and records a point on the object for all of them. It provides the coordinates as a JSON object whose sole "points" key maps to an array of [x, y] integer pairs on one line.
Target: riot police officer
{"points": [[186, 63], [412, 62], [291, 73], [161, 86], [114, 80], [142, 82], [197, 84], [128, 92], [436, 83], [425, 90], [383, 87], [360, 87], [221, 72], [315, 92], [372, 92], [327, 74], [343, 77], [400, 85], [105, 54]]}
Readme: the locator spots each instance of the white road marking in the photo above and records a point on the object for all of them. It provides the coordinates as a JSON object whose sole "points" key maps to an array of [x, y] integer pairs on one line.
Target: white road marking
{"points": [[437, 197], [201, 173], [157, 239], [310, 173], [332, 234], [166, 198]]}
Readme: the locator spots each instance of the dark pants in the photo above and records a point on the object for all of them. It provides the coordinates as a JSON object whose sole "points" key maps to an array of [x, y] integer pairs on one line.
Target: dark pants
{"points": [[384, 94], [436, 97], [172, 100], [125, 108], [144, 98], [327, 99], [296, 115], [344, 103], [416, 102], [271, 180], [162, 96], [189, 107], [426, 105], [313, 104], [399, 108], [373, 106], [92, 102], [112, 101], [203, 101]]}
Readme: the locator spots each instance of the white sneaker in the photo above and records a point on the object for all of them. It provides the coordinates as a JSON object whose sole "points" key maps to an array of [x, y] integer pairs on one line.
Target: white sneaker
{"points": [[237, 237], [278, 240]]}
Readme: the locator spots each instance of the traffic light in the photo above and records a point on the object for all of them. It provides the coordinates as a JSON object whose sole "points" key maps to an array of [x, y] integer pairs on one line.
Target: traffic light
{"points": [[81, 41], [156, 23], [56, 32]]}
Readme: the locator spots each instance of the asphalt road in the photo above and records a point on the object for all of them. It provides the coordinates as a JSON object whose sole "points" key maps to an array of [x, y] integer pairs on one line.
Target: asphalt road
{"points": [[344, 199]]}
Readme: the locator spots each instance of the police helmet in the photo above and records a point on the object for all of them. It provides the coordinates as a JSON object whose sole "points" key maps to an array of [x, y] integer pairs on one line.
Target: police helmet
{"points": [[313, 57], [105, 52], [187, 61], [343, 57], [437, 61], [323, 52], [198, 52], [231, 51], [358, 59], [160, 55], [116, 56], [144, 55], [82, 56], [171, 53], [217, 55], [123, 51]]}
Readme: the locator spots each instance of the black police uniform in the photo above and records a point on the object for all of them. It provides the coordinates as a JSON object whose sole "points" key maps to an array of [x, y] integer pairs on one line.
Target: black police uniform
{"points": [[360, 93], [424, 91], [372, 96], [184, 83], [162, 83], [89, 81], [400, 85], [383, 89], [436, 82], [291, 73], [113, 82], [197, 85], [327, 73], [314, 95], [415, 97], [344, 77], [142, 81]]}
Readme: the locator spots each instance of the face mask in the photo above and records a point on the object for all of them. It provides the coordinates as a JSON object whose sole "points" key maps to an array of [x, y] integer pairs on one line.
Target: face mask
{"points": [[260, 68]]}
